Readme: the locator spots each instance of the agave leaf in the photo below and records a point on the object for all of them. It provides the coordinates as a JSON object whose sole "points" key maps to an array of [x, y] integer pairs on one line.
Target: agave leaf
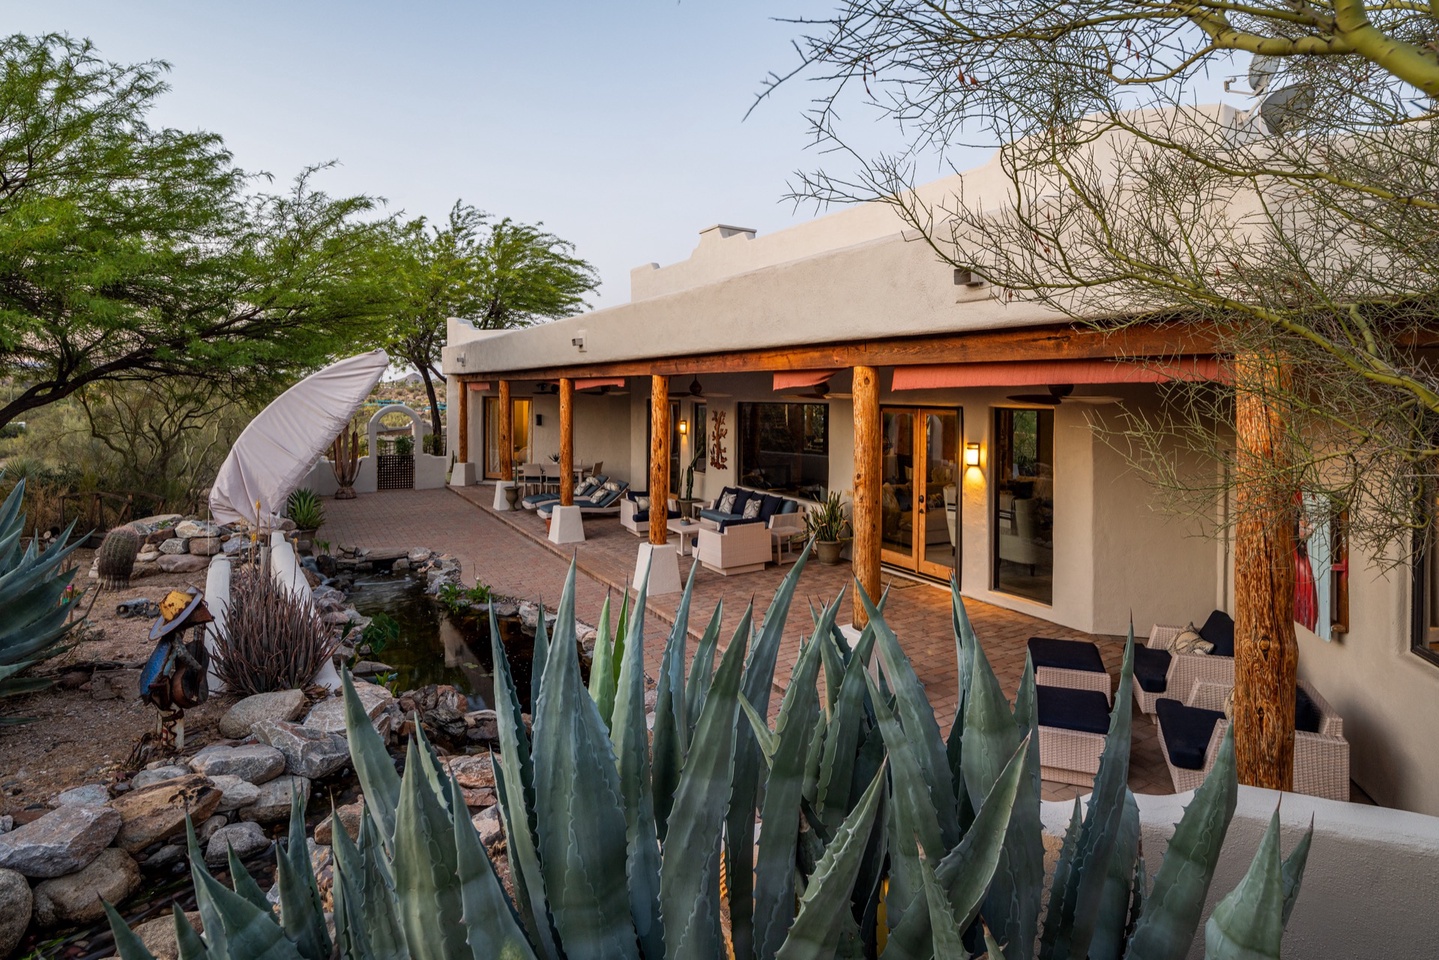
{"points": [[768, 742], [602, 674], [631, 741], [493, 930], [916, 825], [774, 893], [1248, 924], [187, 940], [427, 888], [1171, 916], [1112, 925], [579, 813], [965, 871], [541, 655], [824, 911], [689, 875], [243, 883], [373, 766], [672, 729], [376, 887], [836, 771], [215, 940], [300, 905], [1294, 870], [234, 927], [991, 949], [834, 664], [525, 869], [617, 657], [946, 935], [702, 667], [127, 944], [352, 922]]}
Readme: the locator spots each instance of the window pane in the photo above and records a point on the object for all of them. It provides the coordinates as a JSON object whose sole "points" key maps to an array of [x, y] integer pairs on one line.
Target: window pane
{"points": [[1024, 503], [784, 447]]}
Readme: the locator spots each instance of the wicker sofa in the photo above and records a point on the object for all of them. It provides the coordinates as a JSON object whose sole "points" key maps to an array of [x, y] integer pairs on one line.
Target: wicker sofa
{"points": [[1190, 734], [1161, 672], [635, 510]]}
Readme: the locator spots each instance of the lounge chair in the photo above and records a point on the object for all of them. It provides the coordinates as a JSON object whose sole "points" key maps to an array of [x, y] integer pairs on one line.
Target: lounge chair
{"points": [[586, 488], [604, 502], [738, 548], [1190, 734], [1162, 672]]}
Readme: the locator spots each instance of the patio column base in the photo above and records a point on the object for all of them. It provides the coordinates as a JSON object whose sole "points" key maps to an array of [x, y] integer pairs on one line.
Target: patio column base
{"points": [[462, 475], [664, 568], [502, 503], [567, 525]]}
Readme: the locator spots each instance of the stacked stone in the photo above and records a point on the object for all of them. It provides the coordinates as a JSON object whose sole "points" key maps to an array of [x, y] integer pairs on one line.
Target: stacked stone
{"points": [[171, 543]]}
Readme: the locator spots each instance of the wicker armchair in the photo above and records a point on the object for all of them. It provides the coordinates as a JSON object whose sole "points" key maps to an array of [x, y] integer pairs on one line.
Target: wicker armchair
{"points": [[739, 548], [1185, 670], [1321, 759]]}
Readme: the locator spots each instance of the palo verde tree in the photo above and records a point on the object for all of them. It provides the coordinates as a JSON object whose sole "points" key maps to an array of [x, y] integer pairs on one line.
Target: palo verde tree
{"points": [[130, 252], [496, 274], [1297, 231]]}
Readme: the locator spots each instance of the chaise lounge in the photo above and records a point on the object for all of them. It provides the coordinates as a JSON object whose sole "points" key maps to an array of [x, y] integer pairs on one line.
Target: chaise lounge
{"points": [[603, 502], [585, 488]]}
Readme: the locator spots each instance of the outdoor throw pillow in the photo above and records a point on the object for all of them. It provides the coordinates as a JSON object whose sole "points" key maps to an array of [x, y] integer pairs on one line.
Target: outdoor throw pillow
{"points": [[642, 502], [725, 503], [752, 508], [1229, 705], [612, 485], [1189, 641]]}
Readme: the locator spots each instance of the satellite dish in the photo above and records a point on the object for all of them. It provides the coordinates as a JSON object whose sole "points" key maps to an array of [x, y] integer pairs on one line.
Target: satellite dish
{"points": [[1261, 70], [1287, 108]]}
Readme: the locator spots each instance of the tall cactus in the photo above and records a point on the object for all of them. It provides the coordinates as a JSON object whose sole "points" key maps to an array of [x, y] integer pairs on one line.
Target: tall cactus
{"points": [[116, 557], [345, 459]]}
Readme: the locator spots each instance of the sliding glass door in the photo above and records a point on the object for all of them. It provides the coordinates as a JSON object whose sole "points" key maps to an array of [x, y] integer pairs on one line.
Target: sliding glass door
{"points": [[919, 510], [519, 433]]}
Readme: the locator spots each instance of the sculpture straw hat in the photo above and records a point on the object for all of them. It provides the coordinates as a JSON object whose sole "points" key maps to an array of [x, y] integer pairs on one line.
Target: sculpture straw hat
{"points": [[175, 611]]}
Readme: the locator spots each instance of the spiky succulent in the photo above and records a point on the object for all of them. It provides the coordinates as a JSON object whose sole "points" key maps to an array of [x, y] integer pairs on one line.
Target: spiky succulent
{"points": [[875, 836], [116, 557]]}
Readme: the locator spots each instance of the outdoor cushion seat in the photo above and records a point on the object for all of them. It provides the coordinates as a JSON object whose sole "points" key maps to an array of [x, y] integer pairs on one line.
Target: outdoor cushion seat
{"points": [[1186, 731], [535, 500], [643, 516], [1151, 669], [1065, 654], [1084, 710], [1219, 630]]}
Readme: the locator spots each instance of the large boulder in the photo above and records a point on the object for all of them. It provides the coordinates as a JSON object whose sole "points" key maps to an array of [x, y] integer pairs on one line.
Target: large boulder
{"points": [[476, 777], [174, 546], [308, 753], [182, 563], [273, 803], [158, 811], [234, 792], [329, 715], [255, 762], [62, 841], [16, 902], [158, 935], [350, 816], [196, 528], [147, 778], [247, 839], [76, 898], [205, 546], [90, 795], [276, 705]]}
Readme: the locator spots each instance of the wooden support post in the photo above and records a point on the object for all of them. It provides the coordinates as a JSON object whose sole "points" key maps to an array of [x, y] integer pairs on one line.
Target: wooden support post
{"points": [[1266, 654], [567, 442], [463, 431], [865, 509], [659, 459], [506, 441]]}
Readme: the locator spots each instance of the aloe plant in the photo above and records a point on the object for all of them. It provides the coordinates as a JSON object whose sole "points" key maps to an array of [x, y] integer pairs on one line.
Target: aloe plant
{"points": [[872, 834], [35, 602]]}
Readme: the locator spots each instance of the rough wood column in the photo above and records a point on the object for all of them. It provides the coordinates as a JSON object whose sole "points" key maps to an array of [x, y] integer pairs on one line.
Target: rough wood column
{"points": [[868, 465], [659, 459], [567, 442], [506, 442], [464, 428], [1266, 654]]}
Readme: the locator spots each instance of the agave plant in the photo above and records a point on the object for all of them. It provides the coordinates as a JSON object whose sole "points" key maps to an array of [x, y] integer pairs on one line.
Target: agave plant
{"points": [[876, 837], [34, 605]]}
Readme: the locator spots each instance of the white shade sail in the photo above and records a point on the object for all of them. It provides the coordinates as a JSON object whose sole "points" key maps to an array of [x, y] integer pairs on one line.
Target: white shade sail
{"points": [[280, 446]]}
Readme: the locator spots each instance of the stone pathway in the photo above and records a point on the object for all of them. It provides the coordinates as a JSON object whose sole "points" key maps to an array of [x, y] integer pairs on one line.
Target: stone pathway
{"points": [[508, 551]]}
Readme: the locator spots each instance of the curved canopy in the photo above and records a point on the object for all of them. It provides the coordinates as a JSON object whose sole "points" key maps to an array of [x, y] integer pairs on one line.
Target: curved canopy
{"points": [[280, 446]]}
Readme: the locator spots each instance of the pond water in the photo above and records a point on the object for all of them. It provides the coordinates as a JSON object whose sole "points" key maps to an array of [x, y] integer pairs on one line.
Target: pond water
{"points": [[434, 647]]}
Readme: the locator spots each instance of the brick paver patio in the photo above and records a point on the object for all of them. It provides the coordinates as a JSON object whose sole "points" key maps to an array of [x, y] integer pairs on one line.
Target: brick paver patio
{"points": [[508, 551]]}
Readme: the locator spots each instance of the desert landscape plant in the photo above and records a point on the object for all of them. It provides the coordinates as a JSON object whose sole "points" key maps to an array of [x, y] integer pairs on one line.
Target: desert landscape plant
{"points": [[115, 560], [304, 507], [272, 640]]}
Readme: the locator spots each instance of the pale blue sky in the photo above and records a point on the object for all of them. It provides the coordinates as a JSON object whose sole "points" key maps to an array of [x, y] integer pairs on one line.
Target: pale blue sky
{"points": [[619, 125]]}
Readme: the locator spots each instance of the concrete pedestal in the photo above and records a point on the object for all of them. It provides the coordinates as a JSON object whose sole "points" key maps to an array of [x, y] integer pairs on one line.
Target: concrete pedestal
{"points": [[567, 525], [462, 475], [663, 565], [502, 502]]}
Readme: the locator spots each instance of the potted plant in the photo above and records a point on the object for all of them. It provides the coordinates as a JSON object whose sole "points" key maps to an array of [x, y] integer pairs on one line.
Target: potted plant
{"points": [[829, 528], [688, 501], [304, 509]]}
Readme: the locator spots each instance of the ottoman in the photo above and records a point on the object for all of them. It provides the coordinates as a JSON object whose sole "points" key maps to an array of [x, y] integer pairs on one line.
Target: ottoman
{"points": [[1068, 663]]}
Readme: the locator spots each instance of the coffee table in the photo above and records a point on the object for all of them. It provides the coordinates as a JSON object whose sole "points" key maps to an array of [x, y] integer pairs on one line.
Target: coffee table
{"points": [[688, 531]]}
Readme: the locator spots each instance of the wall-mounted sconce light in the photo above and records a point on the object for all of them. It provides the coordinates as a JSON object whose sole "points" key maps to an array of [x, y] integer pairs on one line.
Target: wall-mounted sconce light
{"points": [[684, 428], [971, 454], [539, 419]]}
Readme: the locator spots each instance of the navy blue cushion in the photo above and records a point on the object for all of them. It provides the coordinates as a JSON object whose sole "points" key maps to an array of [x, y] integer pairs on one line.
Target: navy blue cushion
{"points": [[1065, 654], [641, 516], [1306, 714], [790, 506], [1186, 732], [716, 516], [1219, 630], [740, 500], [734, 521], [769, 506], [1083, 710], [1151, 669]]}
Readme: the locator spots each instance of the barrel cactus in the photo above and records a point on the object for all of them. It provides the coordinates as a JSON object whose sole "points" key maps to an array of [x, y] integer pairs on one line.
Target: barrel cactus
{"points": [[115, 560], [35, 599], [875, 837]]}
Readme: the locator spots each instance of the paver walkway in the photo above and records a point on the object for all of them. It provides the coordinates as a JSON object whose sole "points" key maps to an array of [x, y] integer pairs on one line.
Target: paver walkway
{"points": [[508, 551]]}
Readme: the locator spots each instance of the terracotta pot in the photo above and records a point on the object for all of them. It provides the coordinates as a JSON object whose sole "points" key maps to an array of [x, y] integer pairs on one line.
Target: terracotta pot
{"points": [[829, 551]]}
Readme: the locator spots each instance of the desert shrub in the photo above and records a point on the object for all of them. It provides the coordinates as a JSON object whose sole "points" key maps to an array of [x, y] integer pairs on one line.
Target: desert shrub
{"points": [[305, 509], [272, 639]]}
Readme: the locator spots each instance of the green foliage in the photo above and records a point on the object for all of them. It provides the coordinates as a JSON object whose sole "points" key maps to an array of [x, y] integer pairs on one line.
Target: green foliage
{"points": [[133, 251], [827, 521], [304, 507], [35, 600], [405, 446], [877, 837], [379, 633], [460, 600]]}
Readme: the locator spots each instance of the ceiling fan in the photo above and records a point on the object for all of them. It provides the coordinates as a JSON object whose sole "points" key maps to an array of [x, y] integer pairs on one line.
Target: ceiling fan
{"points": [[819, 392], [608, 390], [1058, 393], [697, 391]]}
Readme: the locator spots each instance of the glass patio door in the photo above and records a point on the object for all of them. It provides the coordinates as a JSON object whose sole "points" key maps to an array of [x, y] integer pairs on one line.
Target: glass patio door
{"points": [[519, 433], [919, 507]]}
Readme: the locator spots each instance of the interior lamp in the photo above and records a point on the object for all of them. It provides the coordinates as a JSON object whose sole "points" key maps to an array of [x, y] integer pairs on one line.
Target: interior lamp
{"points": [[971, 454]]}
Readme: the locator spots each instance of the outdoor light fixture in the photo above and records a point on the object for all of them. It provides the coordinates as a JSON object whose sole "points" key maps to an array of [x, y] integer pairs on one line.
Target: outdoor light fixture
{"points": [[971, 454], [684, 427]]}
